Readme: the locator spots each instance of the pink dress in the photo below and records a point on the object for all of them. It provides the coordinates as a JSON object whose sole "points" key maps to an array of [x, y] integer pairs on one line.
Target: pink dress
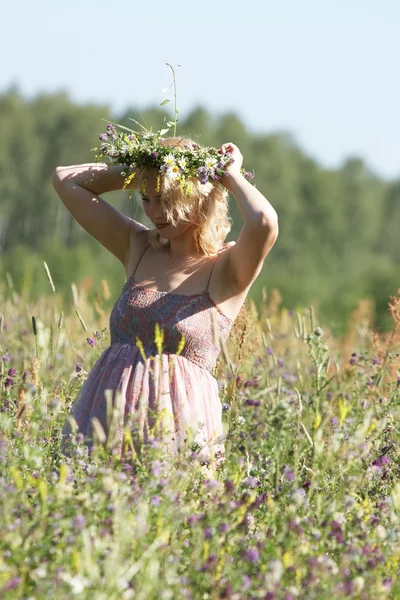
{"points": [[168, 396]]}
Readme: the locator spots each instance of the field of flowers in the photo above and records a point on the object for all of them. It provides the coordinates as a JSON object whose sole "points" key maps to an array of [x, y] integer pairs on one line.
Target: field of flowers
{"points": [[306, 504]]}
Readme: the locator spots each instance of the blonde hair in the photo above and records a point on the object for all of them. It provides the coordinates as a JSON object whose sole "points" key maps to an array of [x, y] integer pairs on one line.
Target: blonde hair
{"points": [[203, 204]]}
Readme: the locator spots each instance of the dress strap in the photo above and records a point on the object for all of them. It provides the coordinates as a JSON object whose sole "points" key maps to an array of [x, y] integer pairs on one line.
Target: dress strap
{"points": [[141, 256]]}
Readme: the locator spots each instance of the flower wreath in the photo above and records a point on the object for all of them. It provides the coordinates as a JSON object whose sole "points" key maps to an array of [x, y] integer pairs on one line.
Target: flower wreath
{"points": [[136, 150]]}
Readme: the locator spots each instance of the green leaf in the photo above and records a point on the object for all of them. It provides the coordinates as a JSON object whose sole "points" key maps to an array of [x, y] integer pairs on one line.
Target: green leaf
{"points": [[164, 102], [163, 131]]}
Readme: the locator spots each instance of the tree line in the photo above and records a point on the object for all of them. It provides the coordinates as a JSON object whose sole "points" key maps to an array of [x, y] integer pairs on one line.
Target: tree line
{"points": [[338, 238]]}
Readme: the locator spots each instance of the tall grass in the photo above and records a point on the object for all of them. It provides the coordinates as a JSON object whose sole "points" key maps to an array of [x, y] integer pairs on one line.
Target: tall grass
{"points": [[305, 505]]}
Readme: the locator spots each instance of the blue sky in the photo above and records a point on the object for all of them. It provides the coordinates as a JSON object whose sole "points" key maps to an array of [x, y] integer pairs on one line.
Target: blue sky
{"points": [[326, 71]]}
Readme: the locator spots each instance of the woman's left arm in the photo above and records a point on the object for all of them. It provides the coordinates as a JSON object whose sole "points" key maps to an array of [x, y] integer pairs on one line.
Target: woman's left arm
{"points": [[260, 229]]}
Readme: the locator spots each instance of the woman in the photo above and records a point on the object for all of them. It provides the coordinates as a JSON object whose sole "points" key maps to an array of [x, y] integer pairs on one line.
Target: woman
{"points": [[184, 289]]}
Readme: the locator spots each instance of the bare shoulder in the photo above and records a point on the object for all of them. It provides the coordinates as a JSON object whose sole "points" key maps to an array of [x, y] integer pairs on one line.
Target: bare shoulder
{"points": [[138, 242]]}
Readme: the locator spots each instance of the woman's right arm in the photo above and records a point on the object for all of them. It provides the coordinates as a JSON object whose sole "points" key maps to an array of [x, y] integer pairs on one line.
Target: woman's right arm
{"points": [[79, 186]]}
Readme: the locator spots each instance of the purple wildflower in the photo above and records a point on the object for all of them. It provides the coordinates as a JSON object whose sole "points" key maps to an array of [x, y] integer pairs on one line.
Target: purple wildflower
{"points": [[155, 501], [91, 341], [12, 372], [8, 382], [103, 137], [202, 174], [5, 357], [79, 522], [289, 475], [207, 532], [78, 368], [248, 175], [154, 153], [252, 555]]}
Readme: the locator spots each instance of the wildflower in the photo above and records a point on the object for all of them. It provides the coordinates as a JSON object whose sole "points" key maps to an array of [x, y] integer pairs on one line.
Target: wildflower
{"points": [[154, 153], [182, 162], [91, 341], [5, 357], [79, 522], [12, 372], [289, 474], [202, 174], [173, 172], [78, 368], [169, 160], [252, 555], [251, 482], [248, 175], [98, 335], [9, 382], [207, 532], [155, 501]]}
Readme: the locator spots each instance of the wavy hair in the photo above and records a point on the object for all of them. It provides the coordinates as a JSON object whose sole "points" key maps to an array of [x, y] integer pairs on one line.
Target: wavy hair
{"points": [[203, 204]]}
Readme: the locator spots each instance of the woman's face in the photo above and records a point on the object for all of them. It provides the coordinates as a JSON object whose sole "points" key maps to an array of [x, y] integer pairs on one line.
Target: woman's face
{"points": [[153, 209]]}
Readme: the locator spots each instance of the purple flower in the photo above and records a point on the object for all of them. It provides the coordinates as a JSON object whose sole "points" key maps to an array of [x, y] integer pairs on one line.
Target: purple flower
{"points": [[229, 486], [155, 501], [207, 532], [12, 583], [78, 368], [91, 341], [79, 521], [8, 382], [289, 474], [202, 174], [12, 372], [154, 153], [248, 175], [252, 555], [251, 482], [103, 137], [5, 357]]}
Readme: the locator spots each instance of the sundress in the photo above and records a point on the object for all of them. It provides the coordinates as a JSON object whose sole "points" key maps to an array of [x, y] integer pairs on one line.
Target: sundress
{"points": [[158, 370]]}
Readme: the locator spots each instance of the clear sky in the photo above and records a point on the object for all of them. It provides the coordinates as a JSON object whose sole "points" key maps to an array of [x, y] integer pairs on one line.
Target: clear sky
{"points": [[327, 71]]}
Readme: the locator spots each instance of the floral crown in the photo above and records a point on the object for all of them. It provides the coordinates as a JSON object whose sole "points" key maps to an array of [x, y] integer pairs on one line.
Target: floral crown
{"points": [[144, 149], [135, 150]]}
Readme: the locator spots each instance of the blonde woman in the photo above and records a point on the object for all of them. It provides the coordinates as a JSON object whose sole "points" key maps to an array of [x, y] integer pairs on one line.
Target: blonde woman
{"points": [[184, 289]]}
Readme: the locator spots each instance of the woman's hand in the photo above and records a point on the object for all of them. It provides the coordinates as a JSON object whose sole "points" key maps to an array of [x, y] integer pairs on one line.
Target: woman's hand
{"points": [[233, 170]]}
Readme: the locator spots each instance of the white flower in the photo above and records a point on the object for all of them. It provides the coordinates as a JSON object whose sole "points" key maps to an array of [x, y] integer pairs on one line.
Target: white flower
{"points": [[182, 163], [173, 172], [169, 160], [77, 583], [210, 162], [241, 420]]}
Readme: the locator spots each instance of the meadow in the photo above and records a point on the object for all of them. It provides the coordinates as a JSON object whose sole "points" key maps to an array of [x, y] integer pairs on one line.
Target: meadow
{"points": [[306, 504]]}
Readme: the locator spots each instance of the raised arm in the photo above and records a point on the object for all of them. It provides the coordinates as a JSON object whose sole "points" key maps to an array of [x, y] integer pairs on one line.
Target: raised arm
{"points": [[260, 229], [79, 186]]}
